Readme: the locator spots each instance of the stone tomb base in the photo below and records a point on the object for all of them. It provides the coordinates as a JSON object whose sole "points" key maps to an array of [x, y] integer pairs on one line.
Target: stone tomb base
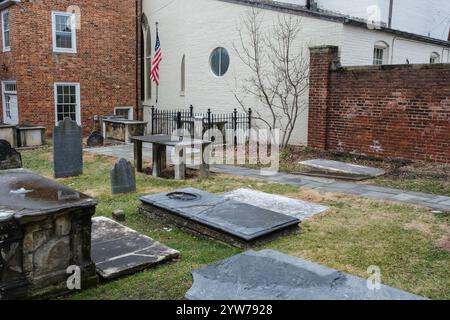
{"points": [[228, 221], [271, 275], [118, 250]]}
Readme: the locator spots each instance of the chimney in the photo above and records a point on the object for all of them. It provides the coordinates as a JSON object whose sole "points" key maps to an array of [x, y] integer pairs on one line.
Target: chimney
{"points": [[391, 8], [311, 5], [448, 35]]}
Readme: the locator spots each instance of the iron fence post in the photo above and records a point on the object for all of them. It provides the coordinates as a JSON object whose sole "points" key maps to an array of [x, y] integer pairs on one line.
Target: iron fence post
{"points": [[235, 115], [153, 120]]}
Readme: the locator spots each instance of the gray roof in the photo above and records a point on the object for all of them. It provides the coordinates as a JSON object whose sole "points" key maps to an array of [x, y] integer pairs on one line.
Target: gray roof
{"points": [[336, 17]]}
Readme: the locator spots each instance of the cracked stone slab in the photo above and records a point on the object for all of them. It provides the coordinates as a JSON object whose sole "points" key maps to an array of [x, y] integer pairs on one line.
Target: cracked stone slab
{"points": [[238, 219], [271, 275], [336, 169], [118, 250], [291, 207]]}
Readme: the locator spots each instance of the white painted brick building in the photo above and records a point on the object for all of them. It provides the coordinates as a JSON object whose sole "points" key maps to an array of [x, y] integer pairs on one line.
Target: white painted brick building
{"points": [[193, 29]]}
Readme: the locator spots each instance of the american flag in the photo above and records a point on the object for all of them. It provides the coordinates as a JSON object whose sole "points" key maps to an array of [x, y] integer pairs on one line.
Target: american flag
{"points": [[156, 61]]}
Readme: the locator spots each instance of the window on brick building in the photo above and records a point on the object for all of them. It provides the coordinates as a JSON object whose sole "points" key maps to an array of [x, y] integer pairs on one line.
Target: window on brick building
{"points": [[381, 53], [435, 58], [125, 112], [5, 29], [67, 101], [64, 32]]}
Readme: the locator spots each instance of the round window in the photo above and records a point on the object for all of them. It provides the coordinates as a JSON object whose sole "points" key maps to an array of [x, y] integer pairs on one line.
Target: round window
{"points": [[219, 61]]}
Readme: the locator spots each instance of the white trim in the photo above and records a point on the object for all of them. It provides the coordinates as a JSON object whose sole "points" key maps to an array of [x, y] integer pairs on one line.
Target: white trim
{"points": [[4, 83], [5, 48], [130, 111], [78, 105], [73, 32]]}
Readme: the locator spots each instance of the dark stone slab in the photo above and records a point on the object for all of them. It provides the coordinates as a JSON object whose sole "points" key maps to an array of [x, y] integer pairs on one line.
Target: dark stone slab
{"points": [[95, 139], [67, 149], [9, 157], [118, 250], [271, 275], [240, 220], [123, 177]]}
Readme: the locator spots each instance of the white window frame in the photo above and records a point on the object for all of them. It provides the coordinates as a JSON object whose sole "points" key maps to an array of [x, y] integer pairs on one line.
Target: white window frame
{"points": [[73, 32], [6, 48], [5, 93], [78, 96], [381, 45], [435, 58], [130, 111]]}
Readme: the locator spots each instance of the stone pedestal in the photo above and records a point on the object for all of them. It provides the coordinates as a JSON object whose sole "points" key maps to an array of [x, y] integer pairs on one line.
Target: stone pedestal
{"points": [[45, 234]]}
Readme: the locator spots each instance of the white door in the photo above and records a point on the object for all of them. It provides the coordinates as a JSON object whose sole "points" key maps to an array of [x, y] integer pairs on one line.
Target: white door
{"points": [[10, 108]]}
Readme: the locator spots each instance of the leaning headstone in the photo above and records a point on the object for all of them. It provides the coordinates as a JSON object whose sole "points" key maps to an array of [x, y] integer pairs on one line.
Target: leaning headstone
{"points": [[123, 177], [9, 157], [67, 149], [95, 139]]}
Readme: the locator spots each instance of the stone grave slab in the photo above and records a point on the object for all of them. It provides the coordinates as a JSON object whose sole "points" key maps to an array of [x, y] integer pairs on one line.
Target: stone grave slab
{"points": [[118, 250], [217, 217], [340, 170], [271, 275], [9, 157], [67, 149], [291, 207], [123, 177]]}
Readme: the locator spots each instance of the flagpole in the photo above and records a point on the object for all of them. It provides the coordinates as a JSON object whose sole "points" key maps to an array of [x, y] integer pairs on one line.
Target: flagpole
{"points": [[157, 86]]}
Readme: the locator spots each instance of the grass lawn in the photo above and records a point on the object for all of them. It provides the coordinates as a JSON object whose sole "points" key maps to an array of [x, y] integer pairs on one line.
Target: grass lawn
{"points": [[406, 242]]}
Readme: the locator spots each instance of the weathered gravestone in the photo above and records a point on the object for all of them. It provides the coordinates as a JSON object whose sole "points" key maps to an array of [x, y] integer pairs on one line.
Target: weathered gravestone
{"points": [[123, 177], [67, 149], [95, 139], [9, 157]]}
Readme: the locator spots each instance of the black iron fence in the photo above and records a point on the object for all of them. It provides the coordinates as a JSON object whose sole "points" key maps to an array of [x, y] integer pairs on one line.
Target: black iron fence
{"points": [[234, 126]]}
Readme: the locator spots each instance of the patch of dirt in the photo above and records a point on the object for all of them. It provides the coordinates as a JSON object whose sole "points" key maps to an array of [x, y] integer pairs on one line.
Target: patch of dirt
{"points": [[446, 245], [396, 169], [420, 226]]}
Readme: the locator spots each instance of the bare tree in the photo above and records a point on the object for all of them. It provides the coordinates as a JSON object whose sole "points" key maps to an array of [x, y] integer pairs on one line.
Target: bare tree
{"points": [[279, 70]]}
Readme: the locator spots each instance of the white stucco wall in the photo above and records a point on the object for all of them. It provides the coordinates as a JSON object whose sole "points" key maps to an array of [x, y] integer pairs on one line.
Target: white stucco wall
{"points": [[196, 27]]}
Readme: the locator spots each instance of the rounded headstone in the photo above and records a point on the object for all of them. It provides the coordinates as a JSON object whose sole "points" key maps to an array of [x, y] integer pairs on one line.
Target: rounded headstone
{"points": [[95, 139], [9, 157]]}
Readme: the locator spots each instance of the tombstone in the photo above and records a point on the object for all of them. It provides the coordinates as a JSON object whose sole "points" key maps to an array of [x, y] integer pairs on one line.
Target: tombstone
{"points": [[123, 177], [95, 139], [9, 157], [67, 149]]}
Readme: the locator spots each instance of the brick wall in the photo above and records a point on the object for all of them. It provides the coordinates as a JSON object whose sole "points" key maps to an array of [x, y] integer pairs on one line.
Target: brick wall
{"points": [[104, 65], [396, 111]]}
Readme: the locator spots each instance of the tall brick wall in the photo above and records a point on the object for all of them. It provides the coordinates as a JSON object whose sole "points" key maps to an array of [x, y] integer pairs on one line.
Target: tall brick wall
{"points": [[104, 65], [395, 111]]}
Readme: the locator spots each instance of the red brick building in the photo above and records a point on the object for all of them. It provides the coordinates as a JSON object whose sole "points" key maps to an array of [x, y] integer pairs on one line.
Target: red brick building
{"points": [[68, 58]]}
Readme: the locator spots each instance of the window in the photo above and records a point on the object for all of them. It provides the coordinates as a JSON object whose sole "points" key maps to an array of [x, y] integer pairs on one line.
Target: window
{"points": [[67, 101], [380, 53], [125, 112], [219, 61], [5, 28], [64, 32], [435, 58], [148, 59], [183, 75]]}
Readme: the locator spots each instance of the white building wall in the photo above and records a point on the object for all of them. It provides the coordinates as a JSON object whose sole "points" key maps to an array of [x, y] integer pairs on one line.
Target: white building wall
{"points": [[196, 27]]}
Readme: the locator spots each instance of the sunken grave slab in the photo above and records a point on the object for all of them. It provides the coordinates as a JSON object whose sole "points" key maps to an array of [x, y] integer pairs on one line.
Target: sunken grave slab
{"points": [[45, 227], [236, 223], [118, 250], [271, 275], [342, 170], [291, 207]]}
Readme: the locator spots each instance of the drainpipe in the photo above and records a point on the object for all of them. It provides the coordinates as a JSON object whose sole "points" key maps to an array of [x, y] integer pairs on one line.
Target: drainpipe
{"points": [[138, 60]]}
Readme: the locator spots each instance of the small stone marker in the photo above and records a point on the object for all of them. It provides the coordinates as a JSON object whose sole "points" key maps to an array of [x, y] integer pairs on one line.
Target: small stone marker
{"points": [[95, 139], [291, 207], [9, 157], [337, 169], [119, 215], [271, 275], [123, 177], [118, 250], [67, 149]]}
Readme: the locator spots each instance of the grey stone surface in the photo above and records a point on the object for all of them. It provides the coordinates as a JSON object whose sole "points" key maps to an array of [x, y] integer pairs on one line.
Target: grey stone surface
{"points": [[118, 250], [271, 275], [123, 177], [67, 149], [119, 215], [291, 207], [235, 218], [329, 167], [9, 157]]}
